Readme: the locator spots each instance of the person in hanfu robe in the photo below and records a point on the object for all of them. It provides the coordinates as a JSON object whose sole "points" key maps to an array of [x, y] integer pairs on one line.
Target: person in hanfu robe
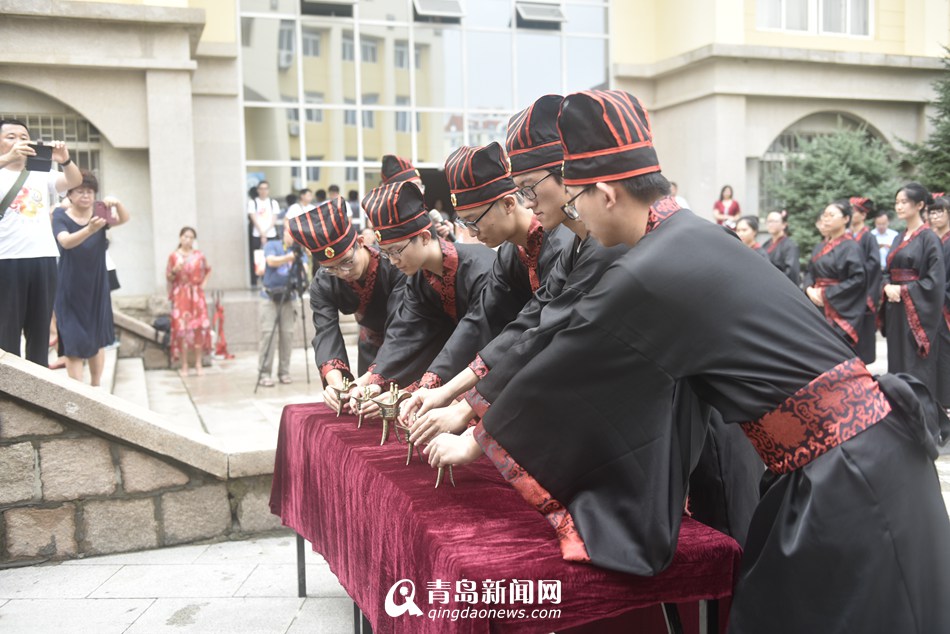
{"points": [[351, 279], [782, 251], [444, 282], [747, 228], [861, 208], [724, 482], [914, 288], [851, 532], [835, 281], [939, 214]]}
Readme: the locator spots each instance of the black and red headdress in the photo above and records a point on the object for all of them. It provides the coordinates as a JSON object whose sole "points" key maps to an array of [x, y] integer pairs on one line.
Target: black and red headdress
{"points": [[478, 175], [397, 211], [325, 230], [534, 142]]}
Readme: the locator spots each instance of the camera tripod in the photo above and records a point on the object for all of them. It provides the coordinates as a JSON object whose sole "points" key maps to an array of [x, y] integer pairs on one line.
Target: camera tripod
{"points": [[296, 283]]}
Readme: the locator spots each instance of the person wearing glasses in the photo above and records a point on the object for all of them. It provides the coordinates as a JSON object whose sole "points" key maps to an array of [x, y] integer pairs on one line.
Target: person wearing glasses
{"points": [[351, 279], [851, 524], [939, 213], [836, 279], [861, 208], [444, 281]]}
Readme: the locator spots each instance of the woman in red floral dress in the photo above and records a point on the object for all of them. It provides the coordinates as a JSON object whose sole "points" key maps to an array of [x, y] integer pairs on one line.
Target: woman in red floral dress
{"points": [[187, 272]]}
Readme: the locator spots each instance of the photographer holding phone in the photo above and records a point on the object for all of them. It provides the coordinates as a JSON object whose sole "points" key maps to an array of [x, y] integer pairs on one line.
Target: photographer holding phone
{"points": [[28, 192], [83, 306]]}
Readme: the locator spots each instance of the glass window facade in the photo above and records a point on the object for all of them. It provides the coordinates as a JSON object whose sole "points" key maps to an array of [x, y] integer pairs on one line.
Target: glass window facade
{"points": [[326, 96]]}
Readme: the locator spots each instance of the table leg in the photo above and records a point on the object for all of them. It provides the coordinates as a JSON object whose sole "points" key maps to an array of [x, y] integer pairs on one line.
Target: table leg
{"points": [[709, 616], [361, 624], [301, 568], [672, 616]]}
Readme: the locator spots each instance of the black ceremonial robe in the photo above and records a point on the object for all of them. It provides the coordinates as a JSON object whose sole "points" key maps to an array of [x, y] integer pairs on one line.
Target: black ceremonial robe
{"points": [[784, 254], [517, 274], [943, 361], [421, 339], [837, 269], [590, 433], [911, 325], [372, 300], [867, 332]]}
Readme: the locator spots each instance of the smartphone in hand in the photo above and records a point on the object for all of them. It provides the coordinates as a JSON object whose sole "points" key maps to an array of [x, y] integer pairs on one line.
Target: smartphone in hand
{"points": [[101, 210], [43, 161]]}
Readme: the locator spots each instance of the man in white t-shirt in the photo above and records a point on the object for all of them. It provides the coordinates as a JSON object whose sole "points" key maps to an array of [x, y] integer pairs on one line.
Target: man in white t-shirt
{"points": [[262, 213], [884, 236], [304, 204], [28, 250]]}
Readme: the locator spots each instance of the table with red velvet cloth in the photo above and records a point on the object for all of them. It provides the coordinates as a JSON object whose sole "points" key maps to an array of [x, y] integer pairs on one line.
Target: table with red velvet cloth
{"points": [[376, 521]]}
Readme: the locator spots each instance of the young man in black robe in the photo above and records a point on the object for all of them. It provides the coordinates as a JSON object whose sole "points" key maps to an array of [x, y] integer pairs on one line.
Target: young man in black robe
{"points": [[351, 279], [835, 280], [444, 282], [861, 208], [851, 532]]}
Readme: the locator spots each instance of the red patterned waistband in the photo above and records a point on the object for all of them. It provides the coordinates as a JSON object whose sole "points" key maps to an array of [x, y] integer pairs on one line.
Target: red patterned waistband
{"points": [[822, 282], [835, 406], [900, 276]]}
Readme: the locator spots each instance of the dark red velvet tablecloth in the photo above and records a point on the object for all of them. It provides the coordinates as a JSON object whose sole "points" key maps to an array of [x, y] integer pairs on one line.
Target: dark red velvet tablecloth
{"points": [[376, 521]]}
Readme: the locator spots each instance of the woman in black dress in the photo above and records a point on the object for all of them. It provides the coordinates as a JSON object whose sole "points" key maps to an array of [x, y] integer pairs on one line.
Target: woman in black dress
{"points": [[940, 222], [782, 250], [835, 281], [914, 290], [83, 307]]}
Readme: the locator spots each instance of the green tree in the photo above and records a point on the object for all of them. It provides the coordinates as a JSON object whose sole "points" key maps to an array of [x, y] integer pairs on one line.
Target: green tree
{"points": [[931, 159], [829, 167]]}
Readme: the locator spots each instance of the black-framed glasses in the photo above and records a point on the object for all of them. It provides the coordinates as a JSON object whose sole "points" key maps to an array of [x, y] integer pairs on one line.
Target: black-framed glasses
{"points": [[570, 209], [345, 265], [395, 254], [528, 190], [472, 225]]}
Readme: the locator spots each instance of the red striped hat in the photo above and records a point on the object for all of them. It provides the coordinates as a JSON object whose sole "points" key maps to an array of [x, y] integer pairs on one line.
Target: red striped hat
{"points": [[606, 137], [478, 175], [397, 169], [397, 211], [325, 230], [534, 142], [864, 205]]}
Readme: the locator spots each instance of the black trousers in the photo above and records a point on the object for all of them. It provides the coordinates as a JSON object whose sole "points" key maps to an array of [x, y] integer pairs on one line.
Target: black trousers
{"points": [[27, 290]]}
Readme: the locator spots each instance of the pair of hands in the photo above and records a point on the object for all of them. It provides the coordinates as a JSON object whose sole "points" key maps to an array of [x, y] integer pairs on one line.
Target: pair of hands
{"points": [[892, 292], [21, 150], [815, 296], [431, 420]]}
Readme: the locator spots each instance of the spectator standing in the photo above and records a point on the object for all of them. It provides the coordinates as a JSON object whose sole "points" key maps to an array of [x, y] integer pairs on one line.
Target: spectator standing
{"points": [[187, 272], [277, 308], [356, 210], [782, 251], [884, 236], [303, 205], [726, 210], [262, 213], [28, 249], [83, 306], [675, 193]]}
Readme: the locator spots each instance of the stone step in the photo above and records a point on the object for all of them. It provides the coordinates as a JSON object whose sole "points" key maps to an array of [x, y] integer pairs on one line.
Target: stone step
{"points": [[168, 396], [130, 381]]}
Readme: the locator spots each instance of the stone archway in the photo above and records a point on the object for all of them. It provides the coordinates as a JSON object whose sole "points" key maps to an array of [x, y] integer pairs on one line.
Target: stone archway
{"points": [[49, 119], [784, 146]]}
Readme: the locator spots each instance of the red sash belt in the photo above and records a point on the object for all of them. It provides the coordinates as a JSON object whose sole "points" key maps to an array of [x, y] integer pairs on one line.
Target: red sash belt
{"points": [[835, 406], [902, 276], [822, 282]]}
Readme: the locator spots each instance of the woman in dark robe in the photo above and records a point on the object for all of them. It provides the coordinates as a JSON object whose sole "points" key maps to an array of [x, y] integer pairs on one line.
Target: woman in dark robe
{"points": [[861, 208], [747, 228], [835, 279], [914, 289], [940, 222], [782, 250]]}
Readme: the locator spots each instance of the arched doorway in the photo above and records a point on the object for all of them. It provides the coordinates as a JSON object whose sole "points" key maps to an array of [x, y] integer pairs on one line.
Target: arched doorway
{"points": [[786, 146]]}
